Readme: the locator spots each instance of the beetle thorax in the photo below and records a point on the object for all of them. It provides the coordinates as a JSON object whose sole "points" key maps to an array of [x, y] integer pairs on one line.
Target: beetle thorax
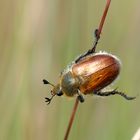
{"points": [[69, 84]]}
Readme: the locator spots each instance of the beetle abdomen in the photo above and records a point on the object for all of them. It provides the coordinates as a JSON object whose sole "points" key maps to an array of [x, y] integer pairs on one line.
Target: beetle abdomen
{"points": [[96, 71]]}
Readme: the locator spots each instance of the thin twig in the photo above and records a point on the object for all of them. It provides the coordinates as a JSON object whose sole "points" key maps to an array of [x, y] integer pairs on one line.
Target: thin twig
{"points": [[93, 49], [71, 119], [103, 18], [99, 30]]}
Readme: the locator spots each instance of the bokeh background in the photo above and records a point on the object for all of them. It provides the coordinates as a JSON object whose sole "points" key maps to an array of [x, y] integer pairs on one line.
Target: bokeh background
{"points": [[38, 38]]}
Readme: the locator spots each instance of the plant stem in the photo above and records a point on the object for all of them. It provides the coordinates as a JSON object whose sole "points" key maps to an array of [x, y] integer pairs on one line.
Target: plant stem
{"points": [[103, 18], [99, 30], [92, 50], [71, 119]]}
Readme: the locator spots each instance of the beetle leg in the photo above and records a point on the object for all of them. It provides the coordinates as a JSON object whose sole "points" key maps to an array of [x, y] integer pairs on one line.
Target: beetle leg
{"points": [[80, 97], [84, 55], [113, 92], [92, 50]]}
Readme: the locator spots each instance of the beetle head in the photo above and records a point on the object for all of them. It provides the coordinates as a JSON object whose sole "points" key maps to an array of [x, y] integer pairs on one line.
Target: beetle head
{"points": [[56, 90]]}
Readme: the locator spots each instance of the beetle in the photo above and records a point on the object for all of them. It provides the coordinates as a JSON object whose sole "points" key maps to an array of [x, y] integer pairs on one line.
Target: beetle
{"points": [[89, 74]]}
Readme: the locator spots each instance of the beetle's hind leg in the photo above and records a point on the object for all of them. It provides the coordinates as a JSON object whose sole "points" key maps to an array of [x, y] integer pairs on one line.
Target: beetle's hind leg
{"points": [[113, 92], [92, 50]]}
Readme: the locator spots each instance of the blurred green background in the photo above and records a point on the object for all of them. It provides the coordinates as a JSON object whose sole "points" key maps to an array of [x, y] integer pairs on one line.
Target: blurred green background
{"points": [[38, 38]]}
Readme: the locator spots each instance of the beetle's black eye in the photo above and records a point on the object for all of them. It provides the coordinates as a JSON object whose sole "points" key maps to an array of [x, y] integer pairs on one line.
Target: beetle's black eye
{"points": [[60, 93]]}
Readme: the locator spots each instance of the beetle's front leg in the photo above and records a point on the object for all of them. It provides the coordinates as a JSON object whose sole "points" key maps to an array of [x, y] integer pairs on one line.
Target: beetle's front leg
{"points": [[113, 92], [80, 97]]}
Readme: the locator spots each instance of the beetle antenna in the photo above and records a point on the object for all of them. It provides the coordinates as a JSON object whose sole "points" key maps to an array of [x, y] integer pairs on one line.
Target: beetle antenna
{"points": [[47, 82], [48, 100]]}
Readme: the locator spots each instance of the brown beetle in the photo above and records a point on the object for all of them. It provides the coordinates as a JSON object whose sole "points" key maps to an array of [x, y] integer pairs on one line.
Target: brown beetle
{"points": [[88, 74]]}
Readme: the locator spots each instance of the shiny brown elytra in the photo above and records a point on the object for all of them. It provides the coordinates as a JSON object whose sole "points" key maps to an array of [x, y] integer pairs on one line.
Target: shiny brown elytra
{"points": [[96, 72], [89, 75]]}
